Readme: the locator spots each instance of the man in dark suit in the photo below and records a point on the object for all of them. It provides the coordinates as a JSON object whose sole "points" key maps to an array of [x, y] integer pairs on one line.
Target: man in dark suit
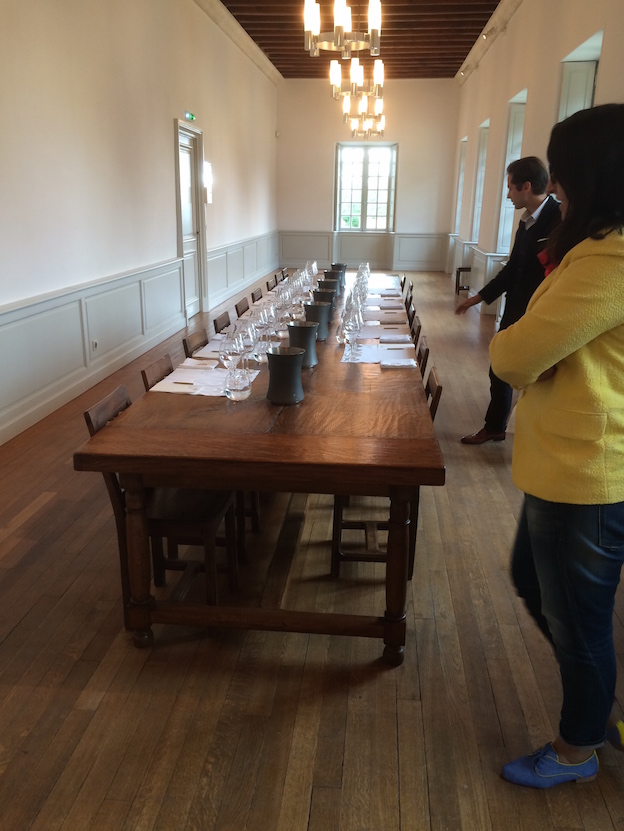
{"points": [[527, 179]]}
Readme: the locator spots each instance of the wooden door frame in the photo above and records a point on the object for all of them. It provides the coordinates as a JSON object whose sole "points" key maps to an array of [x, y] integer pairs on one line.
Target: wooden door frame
{"points": [[181, 127]]}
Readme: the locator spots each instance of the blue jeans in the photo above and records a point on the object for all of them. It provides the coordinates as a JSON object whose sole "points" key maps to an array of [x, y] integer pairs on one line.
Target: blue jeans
{"points": [[566, 566]]}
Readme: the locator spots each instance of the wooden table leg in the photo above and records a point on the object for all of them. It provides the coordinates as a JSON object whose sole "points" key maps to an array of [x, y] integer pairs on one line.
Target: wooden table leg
{"points": [[396, 577], [139, 566]]}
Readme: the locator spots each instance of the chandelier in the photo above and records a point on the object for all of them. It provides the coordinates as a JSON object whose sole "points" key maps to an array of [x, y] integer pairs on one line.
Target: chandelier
{"points": [[343, 39], [359, 96], [365, 124]]}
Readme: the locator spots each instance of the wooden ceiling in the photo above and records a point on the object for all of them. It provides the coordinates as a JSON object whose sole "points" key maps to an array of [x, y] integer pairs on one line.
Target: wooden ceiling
{"points": [[419, 38]]}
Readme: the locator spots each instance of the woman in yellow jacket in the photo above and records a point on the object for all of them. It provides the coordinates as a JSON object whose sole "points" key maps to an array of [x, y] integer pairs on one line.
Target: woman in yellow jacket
{"points": [[567, 356]]}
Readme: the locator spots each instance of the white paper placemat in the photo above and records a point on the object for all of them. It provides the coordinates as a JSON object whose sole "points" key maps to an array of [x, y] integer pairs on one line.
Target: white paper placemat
{"points": [[184, 381], [375, 354]]}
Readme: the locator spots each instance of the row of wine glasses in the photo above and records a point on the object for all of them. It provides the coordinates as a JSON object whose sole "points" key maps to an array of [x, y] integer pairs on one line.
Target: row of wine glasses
{"points": [[352, 318]]}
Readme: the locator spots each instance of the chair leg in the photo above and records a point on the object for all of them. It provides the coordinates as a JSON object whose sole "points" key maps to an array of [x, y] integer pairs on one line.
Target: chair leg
{"points": [[230, 547], [340, 503], [158, 561], [254, 498], [413, 528], [240, 527], [210, 560]]}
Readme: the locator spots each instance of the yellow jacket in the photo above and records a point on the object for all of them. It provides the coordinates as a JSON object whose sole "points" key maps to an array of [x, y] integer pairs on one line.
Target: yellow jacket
{"points": [[569, 443]]}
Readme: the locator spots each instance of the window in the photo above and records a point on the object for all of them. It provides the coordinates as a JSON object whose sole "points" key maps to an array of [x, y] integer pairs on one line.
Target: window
{"points": [[365, 187], [515, 130], [478, 198], [460, 182], [578, 77]]}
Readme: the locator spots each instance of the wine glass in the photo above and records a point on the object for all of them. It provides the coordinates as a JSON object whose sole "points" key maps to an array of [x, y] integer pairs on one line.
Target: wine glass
{"points": [[350, 330], [229, 353]]}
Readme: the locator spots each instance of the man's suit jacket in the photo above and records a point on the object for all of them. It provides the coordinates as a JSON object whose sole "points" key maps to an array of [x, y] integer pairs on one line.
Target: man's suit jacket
{"points": [[523, 272]]}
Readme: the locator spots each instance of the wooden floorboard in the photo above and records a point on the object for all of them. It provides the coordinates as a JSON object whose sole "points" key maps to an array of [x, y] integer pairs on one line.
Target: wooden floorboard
{"points": [[269, 731]]}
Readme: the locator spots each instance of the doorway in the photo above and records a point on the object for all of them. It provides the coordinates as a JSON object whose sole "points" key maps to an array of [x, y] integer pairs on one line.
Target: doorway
{"points": [[190, 214]]}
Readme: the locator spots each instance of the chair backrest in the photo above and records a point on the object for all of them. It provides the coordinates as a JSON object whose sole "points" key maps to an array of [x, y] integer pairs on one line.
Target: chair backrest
{"points": [[402, 281], [408, 300], [411, 314], [415, 327], [271, 283], [256, 294], [194, 341], [433, 391], [221, 322], [242, 306], [284, 273], [156, 372], [107, 409], [98, 417], [279, 276], [422, 356]]}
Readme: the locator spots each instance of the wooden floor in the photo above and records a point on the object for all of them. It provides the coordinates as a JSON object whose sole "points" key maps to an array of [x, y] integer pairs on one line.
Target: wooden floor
{"points": [[281, 732]]}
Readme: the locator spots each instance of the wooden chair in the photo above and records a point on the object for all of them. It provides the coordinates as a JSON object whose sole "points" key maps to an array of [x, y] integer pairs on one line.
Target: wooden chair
{"points": [[279, 276], [459, 285], [411, 314], [402, 281], [156, 372], [284, 273], [422, 356], [221, 322], [373, 551], [256, 294], [181, 515], [242, 306], [415, 329], [194, 341], [433, 391], [271, 283]]}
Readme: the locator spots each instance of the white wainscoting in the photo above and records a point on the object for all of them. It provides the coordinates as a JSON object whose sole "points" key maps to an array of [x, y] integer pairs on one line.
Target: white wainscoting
{"points": [[485, 266], [463, 251], [59, 345], [407, 252], [453, 241], [231, 268], [297, 247]]}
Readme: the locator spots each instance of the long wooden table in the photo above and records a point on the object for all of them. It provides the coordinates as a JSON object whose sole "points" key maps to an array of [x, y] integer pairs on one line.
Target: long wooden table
{"points": [[360, 430]]}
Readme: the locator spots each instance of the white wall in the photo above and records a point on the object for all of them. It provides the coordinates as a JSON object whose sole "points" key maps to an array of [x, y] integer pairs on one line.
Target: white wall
{"points": [[421, 117], [89, 94], [528, 55]]}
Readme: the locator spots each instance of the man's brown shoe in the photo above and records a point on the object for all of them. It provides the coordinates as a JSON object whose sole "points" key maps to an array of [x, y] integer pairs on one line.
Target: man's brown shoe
{"points": [[481, 436]]}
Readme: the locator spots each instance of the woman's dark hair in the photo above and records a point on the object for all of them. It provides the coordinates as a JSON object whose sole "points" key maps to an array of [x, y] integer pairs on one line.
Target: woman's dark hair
{"points": [[586, 157]]}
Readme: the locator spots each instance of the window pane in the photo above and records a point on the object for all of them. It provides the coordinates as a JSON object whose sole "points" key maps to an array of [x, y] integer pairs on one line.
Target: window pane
{"points": [[365, 187]]}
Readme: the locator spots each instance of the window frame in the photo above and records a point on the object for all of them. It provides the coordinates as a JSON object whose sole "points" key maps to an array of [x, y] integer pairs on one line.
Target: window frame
{"points": [[391, 200]]}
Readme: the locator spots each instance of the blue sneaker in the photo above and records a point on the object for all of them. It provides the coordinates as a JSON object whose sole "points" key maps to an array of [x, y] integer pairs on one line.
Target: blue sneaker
{"points": [[543, 769]]}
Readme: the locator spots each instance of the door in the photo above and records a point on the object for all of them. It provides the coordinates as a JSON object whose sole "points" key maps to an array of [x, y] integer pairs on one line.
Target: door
{"points": [[189, 229]]}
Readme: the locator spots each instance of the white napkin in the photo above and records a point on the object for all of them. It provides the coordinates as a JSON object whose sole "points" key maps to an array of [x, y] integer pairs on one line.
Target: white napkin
{"points": [[194, 363], [366, 354], [396, 337], [210, 350], [373, 302], [384, 315], [393, 363]]}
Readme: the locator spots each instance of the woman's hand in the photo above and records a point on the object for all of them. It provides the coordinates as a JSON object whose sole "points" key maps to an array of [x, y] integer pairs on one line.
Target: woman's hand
{"points": [[548, 373]]}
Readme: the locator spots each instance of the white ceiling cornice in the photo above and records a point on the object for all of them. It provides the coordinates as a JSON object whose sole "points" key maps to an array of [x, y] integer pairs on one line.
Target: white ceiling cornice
{"points": [[217, 12]]}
